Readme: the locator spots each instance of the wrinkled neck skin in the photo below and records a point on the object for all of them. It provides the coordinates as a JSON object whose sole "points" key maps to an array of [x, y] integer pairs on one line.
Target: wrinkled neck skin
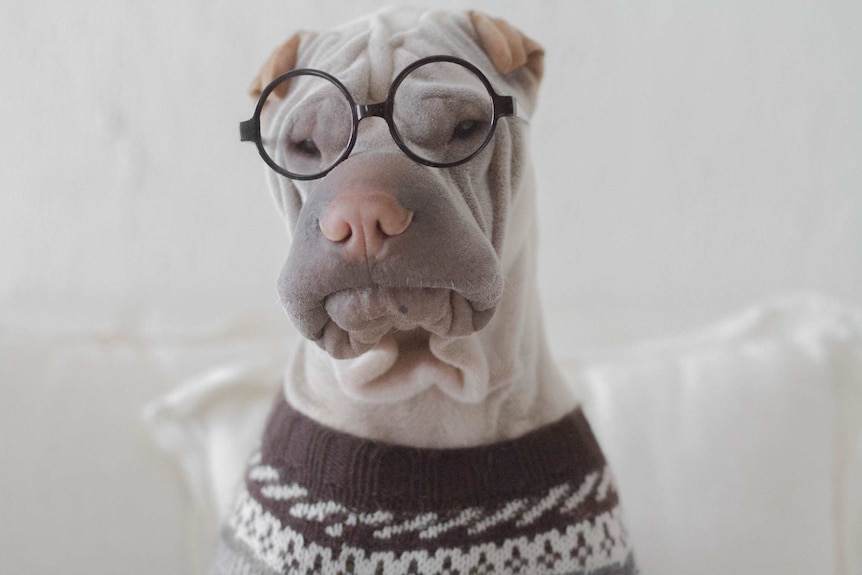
{"points": [[495, 384]]}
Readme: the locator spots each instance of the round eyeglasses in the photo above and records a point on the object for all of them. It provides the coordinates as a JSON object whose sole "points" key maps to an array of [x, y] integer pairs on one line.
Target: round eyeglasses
{"points": [[441, 112]]}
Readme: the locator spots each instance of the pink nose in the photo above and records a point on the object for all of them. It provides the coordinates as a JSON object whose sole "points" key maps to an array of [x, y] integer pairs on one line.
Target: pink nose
{"points": [[363, 221]]}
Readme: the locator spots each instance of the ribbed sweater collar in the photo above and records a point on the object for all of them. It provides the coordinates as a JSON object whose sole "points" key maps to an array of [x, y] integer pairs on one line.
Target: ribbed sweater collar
{"points": [[362, 473]]}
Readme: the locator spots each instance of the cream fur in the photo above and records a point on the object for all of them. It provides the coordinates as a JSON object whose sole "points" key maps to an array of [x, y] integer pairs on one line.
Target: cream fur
{"points": [[497, 383]]}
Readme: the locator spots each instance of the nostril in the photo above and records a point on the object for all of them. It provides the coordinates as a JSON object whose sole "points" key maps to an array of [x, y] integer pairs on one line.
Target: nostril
{"points": [[394, 222], [335, 229]]}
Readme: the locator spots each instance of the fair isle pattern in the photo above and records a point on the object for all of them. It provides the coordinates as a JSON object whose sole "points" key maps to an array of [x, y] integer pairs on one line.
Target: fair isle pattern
{"points": [[563, 500], [586, 547], [583, 547]]}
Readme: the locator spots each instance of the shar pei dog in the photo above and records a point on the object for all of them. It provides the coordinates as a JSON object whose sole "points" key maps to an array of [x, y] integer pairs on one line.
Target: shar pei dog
{"points": [[423, 427]]}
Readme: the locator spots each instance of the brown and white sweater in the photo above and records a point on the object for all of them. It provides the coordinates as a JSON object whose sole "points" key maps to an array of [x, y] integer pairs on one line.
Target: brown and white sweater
{"points": [[317, 501]]}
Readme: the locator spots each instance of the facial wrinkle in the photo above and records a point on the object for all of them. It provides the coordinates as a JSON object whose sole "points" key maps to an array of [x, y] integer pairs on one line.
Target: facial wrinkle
{"points": [[379, 50]]}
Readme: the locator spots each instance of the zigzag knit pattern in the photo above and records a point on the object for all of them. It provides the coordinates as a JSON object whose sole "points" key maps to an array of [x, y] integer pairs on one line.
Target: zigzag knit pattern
{"points": [[316, 501]]}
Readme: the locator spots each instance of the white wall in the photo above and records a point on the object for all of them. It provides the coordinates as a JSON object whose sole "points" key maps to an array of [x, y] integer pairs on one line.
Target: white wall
{"points": [[692, 157], [711, 158]]}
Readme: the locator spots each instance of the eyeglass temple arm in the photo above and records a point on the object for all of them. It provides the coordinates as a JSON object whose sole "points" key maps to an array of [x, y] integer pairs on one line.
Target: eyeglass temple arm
{"points": [[508, 106], [248, 131]]}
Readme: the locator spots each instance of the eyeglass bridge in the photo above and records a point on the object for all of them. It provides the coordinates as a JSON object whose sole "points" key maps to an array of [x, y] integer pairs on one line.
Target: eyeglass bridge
{"points": [[371, 110]]}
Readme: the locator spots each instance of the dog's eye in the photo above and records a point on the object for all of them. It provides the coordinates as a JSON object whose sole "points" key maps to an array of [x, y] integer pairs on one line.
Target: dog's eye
{"points": [[466, 129], [307, 147]]}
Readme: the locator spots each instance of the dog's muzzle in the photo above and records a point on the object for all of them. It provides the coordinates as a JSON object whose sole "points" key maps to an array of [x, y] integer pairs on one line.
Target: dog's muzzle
{"points": [[387, 246]]}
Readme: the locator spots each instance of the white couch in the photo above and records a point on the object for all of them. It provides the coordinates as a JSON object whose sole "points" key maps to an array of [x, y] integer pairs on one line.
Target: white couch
{"points": [[737, 448]]}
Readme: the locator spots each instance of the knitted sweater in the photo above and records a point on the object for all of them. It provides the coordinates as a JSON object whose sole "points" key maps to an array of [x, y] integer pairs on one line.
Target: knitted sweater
{"points": [[317, 501]]}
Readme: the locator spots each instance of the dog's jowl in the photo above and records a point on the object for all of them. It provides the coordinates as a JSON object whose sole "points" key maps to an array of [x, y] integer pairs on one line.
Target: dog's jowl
{"points": [[423, 427]]}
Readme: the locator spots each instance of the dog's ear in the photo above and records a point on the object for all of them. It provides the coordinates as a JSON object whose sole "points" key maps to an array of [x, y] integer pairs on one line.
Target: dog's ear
{"points": [[508, 47], [282, 60]]}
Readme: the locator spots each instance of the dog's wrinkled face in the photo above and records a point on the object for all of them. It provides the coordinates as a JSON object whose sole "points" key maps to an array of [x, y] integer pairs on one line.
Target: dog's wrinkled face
{"points": [[383, 244], [352, 277]]}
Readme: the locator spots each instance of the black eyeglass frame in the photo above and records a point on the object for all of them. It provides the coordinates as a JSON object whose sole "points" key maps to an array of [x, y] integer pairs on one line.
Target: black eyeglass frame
{"points": [[249, 130]]}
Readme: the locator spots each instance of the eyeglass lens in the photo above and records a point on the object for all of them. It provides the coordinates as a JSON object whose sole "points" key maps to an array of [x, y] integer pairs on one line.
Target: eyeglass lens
{"points": [[306, 124], [441, 111]]}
